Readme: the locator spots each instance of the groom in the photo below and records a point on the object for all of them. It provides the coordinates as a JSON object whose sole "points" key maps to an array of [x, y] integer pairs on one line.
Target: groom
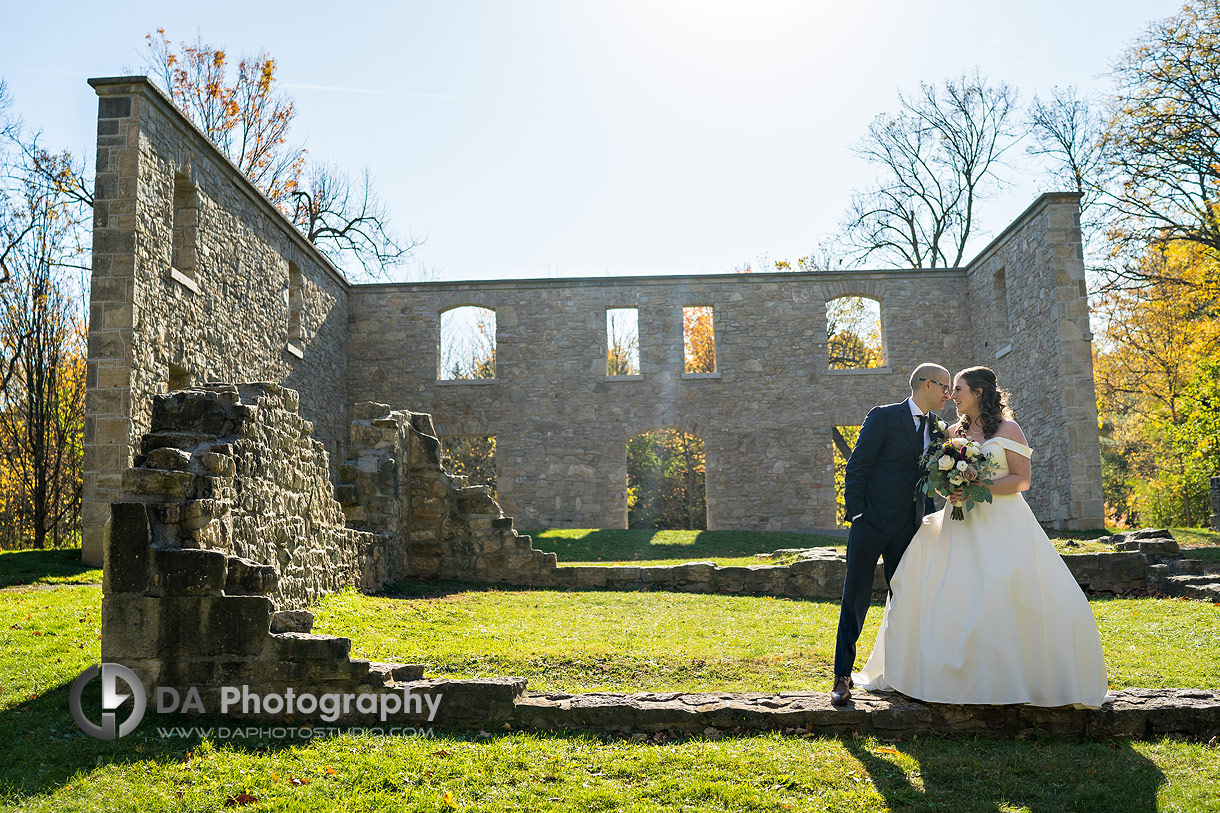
{"points": [[883, 505]]}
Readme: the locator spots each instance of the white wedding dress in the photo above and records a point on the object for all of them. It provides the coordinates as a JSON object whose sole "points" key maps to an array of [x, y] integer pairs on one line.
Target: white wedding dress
{"points": [[983, 610]]}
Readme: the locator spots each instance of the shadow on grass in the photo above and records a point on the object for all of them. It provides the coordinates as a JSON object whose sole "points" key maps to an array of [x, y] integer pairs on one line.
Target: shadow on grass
{"points": [[1206, 554], [62, 566], [44, 750], [1042, 775], [679, 546]]}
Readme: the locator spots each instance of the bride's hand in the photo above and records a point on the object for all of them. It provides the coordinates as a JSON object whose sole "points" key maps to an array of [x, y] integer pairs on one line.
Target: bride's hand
{"points": [[956, 498]]}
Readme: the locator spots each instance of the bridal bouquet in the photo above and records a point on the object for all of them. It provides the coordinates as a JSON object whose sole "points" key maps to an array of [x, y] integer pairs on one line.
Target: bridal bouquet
{"points": [[957, 465]]}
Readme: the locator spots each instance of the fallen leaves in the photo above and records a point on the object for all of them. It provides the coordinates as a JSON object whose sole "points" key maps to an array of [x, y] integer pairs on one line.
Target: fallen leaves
{"points": [[240, 799]]}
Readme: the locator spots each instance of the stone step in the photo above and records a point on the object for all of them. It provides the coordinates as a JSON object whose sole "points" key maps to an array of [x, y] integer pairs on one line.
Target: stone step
{"points": [[1206, 588], [185, 441], [1140, 713], [383, 674]]}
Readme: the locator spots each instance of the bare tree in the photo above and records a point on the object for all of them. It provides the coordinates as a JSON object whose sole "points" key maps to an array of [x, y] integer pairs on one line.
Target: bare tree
{"points": [[937, 157], [1163, 140], [248, 118], [1067, 131], [348, 222]]}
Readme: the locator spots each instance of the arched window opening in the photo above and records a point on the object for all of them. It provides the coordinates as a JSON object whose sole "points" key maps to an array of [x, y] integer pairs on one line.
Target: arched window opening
{"points": [[622, 341], [853, 333], [666, 481], [467, 344]]}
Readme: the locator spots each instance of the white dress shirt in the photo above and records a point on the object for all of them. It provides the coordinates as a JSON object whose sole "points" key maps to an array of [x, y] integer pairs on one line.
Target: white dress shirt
{"points": [[927, 429]]}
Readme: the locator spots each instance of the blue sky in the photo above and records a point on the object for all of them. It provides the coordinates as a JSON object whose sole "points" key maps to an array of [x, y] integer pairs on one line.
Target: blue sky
{"points": [[539, 138]]}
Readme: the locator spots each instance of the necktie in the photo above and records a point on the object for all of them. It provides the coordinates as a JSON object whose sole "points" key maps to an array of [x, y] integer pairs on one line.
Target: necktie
{"points": [[923, 424]]}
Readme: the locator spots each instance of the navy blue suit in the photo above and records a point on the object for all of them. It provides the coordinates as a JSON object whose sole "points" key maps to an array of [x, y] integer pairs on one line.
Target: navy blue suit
{"points": [[880, 486]]}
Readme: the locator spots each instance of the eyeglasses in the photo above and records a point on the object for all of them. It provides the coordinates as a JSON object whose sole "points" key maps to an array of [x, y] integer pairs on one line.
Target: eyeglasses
{"points": [[944, 387]]}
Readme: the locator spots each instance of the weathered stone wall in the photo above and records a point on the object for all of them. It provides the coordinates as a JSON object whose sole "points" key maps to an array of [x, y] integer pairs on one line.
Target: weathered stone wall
{"points": [[395, 482], [235, 469], [1027, 291], [561, 425], [191, 283], [198, 277]]}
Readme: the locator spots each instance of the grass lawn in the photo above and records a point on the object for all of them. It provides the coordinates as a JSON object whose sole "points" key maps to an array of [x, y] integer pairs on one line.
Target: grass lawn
{"points": [[46, 567], [657, 641], [613, 641], [640, 547]]}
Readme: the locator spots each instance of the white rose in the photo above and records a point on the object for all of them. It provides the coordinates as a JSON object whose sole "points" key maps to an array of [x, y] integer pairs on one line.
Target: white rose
{"points": [[945, 463], [956, 479], [961, 465], [940, 425]]}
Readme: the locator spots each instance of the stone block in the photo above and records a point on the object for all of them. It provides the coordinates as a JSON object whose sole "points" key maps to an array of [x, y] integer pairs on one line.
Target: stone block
{"points": [[292, 621], [236, 625], [126, 550], [186, 572], [159, 483], [300, 646], [250, 578]]}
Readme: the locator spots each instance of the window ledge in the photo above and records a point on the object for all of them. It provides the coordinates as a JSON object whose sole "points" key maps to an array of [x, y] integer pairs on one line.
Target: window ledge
{"points": [[861, 371], [294, 350], [462, 382], [183, 280], [636, 377], [713, 374], [1004, 350]]}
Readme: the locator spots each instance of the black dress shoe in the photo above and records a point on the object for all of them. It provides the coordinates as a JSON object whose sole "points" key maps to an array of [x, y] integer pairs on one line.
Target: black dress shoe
{"points": [[840, 695]]}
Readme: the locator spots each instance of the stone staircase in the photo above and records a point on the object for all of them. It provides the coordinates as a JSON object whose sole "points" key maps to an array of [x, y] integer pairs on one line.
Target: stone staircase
{"points": [[1168, 570]]}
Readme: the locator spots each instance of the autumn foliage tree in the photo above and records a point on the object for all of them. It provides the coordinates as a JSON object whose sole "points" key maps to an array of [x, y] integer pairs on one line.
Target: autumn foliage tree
{"points": [[699, 339], [1163, 142], [42, 346], [248, 117], [1155, 366]]}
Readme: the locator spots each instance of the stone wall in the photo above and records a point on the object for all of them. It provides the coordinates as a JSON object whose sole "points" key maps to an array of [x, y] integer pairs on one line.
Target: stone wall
{"points": [[235, 469], [1027, 291], [562, 425], [395, 482], [191, 282], [198, 277]]}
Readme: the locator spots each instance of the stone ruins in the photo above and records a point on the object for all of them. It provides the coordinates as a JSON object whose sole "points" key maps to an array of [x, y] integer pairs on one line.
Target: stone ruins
{"points": [[220, 511], [197, 278]]}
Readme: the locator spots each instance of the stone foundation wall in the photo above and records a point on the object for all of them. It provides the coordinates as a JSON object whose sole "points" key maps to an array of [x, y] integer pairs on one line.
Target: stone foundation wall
{"points": [[395, 481], [235, 469]]}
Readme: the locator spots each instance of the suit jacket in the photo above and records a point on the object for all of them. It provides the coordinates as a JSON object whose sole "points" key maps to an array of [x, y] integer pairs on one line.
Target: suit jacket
{"points": [[883, 469]]}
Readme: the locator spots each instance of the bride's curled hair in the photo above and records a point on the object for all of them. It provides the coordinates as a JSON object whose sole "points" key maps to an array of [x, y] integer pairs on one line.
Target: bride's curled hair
{"points": [[993, 401]]}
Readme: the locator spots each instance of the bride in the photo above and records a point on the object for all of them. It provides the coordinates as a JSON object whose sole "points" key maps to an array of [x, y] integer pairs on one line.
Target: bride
{"points": [[984, 610]]}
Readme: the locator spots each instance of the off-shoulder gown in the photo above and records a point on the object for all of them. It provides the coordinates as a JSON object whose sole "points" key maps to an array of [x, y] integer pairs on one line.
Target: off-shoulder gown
{"points": [[984, 610]]}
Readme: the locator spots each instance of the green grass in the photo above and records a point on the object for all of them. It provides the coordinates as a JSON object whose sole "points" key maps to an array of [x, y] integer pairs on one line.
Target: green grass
{"points": [[625, 641], [582, 546], [63, 566], [641, 547], [657, 641]]}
